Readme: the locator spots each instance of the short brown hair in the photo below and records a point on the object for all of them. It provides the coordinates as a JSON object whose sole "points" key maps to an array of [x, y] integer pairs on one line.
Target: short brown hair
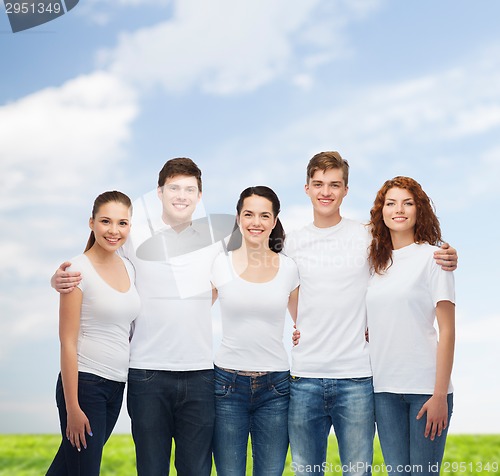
{"points": [[325, 161], [179, 166]]}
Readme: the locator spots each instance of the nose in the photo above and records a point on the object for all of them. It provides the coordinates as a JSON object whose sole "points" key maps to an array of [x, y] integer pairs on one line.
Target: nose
{"points": [[256, 220], [113, 228], [400, 208], [325, 189]]}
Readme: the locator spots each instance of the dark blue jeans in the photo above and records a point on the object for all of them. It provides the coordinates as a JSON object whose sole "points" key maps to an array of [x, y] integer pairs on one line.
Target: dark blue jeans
{"points": [[256, 406], [101, 400], [164, 405]]}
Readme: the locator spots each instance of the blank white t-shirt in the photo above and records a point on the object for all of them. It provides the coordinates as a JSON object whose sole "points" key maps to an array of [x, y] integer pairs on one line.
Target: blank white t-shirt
{"points": [[334, 273], [401, 308], [253, 316], [106, 315]]}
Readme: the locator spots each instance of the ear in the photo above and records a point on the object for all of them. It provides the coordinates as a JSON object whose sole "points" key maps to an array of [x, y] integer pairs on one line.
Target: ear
{"points": [[91, 223], [346, 190], [159, 192], [306, 188]]}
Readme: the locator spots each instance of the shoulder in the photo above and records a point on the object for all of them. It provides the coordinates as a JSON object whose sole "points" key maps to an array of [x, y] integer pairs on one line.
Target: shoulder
{"points": [[296, 238], [78, 263], [287, 262]]}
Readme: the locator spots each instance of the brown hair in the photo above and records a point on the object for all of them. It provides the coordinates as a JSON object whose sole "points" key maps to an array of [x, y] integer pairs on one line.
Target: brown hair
{"points": [[325, 161], [427, 229], [102, 199], [179, 166]]}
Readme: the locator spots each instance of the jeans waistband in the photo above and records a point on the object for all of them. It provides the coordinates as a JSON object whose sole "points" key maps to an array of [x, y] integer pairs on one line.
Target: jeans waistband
{"points": [[245, 373]]}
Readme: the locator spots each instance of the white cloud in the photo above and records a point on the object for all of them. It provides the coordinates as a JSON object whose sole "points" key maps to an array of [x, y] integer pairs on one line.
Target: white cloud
{"points": [[58, 145], [226, 47], [54, 138]]}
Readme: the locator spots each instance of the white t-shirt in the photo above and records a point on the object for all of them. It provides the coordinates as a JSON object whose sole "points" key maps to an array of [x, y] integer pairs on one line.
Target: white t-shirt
{"points": [[334, 273], [401, 312], [106, 315], [253, 316], [174, 328]]}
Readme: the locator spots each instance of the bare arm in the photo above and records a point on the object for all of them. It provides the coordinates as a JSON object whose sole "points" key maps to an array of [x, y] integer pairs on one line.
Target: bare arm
{"points": [[446, 257], [69, 326], [437, 406], [65, 281], [215, 294]]}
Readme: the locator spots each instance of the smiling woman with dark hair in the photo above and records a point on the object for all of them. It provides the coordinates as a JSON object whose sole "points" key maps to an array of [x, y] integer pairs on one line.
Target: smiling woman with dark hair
{"points": [[254, 283]]}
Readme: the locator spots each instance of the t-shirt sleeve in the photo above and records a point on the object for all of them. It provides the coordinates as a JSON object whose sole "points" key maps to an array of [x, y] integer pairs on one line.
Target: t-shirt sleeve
{"points": [[221, 270], [442, 283], [78, 265], [293, 273]]}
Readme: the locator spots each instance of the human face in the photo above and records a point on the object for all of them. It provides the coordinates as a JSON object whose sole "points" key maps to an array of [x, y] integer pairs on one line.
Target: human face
{"points": [[179, 197], [326, 189], [399, 212], [256, 220], [111, 226]]}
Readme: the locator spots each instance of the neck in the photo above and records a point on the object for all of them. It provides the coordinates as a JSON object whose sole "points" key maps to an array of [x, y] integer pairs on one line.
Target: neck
{"points": [[176, 225], [321, 221], [100, 255], [402, 239], [254, 252]]}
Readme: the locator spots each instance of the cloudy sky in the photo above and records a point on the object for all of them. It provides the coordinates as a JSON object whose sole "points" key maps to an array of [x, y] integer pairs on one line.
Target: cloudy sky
{"points": [[101, 97]]}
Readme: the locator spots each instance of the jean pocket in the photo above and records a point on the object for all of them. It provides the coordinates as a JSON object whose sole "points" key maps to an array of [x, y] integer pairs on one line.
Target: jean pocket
{"points": [[90, 379], [141, 375], [361, 379], [282, 387], [207, 376], [222, 391]]}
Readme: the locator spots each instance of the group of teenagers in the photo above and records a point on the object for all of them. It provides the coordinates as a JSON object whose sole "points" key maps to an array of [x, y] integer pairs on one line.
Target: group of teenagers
{"points": [[364, 299]]}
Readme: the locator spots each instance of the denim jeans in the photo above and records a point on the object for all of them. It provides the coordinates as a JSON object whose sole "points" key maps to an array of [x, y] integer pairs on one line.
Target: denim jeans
{"points": [[318, 403], [406, 450], [101, 400], [164, 405], [255, 406]]}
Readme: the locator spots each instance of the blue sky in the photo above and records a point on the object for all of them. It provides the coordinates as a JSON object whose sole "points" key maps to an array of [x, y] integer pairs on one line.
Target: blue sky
{"points": [[101, 97]]}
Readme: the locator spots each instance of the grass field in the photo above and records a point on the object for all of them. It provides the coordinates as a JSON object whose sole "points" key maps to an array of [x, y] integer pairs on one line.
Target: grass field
{"points": [[30, 455]]}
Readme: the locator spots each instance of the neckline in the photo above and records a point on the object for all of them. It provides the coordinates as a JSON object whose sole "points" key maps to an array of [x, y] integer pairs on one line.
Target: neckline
{"points": [[255, 282], [104, 281]]}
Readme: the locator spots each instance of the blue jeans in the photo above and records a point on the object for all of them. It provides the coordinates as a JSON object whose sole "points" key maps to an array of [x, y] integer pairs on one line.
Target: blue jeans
{"points": [[406, 450], [101, 400], [256, 406], [164, 405], [318, 403]]}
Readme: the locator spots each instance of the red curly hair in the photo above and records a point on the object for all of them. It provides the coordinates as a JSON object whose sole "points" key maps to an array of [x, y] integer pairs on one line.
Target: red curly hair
{"points": [[427, 229]]}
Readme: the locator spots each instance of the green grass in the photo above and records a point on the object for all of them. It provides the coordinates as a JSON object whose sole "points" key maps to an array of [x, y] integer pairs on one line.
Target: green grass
{"points": [[30, 455]]}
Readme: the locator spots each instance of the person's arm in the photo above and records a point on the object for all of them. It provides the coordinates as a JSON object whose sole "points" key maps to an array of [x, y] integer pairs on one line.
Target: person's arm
{"points": [[446, 257], [293, 302], [69, 326], [437, 406], [215, 294], [65, 281]]}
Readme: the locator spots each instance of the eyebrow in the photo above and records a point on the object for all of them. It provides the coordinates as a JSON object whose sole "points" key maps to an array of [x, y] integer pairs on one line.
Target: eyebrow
{"points": [[321, 181], [251, 211]]}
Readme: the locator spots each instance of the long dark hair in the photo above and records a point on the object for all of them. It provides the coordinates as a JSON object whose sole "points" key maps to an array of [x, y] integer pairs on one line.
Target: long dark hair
{"points": [[102, 199], [277, 236]]}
